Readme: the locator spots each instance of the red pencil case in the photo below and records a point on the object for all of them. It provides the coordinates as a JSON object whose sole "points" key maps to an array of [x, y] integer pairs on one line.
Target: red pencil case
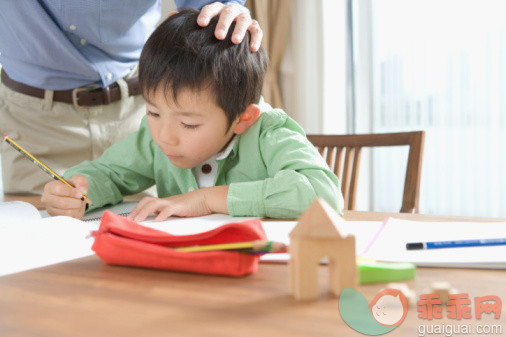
{"points": [[120, 241]]}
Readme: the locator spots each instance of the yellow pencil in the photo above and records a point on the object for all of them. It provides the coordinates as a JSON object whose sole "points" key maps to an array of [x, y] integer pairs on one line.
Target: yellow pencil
{"points": [[250, 246], [37, 162]]}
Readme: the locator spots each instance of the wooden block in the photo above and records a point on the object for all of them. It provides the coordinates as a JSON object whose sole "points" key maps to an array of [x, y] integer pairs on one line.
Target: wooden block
{"points": [[442, 288], [406, 291], [318, 235]]}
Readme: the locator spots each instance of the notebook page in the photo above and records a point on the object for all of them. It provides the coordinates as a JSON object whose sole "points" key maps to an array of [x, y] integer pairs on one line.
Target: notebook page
{"points": [[43, 242], [17, 212], [123, 208], [391, 244], [188, 226], [364, 232]]}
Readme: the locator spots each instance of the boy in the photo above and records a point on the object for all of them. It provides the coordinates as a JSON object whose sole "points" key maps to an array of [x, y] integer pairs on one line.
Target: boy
{"points": [[208, 141]]}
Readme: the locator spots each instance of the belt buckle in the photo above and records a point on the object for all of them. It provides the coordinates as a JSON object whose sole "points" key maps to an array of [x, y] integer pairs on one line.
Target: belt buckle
{"points": [[75, 99]]}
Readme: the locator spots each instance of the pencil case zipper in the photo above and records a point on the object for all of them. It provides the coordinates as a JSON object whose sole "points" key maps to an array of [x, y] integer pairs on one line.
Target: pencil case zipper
{"points": [[169, 239]]}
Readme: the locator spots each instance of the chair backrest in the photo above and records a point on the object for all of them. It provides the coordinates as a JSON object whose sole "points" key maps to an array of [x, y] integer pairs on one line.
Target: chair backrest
{"points": [[334, 147]]}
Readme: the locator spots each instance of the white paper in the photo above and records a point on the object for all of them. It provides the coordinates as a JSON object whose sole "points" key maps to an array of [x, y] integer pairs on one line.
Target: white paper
{"points": [[188, 226], [43, 242], [15, 212], [364, 231], [391, 244]]}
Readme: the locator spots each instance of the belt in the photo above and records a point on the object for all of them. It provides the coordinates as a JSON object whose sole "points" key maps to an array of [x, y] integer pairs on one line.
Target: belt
{"points": [[80, 97]]}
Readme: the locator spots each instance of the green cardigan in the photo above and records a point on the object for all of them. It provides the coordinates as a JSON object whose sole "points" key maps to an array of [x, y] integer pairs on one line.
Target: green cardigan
{"points": [[272, 170]]}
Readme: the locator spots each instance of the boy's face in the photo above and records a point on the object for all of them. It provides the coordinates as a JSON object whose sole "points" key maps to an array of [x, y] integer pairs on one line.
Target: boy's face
{"points": [[190, 131]]}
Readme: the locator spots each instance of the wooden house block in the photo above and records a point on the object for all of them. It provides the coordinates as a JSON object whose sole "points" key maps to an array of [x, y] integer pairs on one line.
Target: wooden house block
{"points": [[444, 289], [320, 234], [407, 292]]}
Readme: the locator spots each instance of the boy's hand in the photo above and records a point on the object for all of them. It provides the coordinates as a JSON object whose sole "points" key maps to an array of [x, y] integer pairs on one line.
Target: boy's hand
{"points": [[201, 202], [229, 14], [61, 199]]}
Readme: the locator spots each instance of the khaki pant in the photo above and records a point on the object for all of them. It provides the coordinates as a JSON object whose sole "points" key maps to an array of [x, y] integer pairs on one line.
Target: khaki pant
{"points": [[58, 134]]}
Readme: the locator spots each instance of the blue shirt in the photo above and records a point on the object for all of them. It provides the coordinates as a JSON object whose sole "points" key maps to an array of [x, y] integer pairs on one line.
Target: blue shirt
{"points": [[58, 44]]}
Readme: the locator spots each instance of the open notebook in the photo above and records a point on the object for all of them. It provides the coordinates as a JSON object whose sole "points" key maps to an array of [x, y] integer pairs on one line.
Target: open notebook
{"points": [[94, 216]]}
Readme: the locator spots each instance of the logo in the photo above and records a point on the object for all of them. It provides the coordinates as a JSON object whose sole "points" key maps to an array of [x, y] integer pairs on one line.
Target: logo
{"points": [[386, 311]]}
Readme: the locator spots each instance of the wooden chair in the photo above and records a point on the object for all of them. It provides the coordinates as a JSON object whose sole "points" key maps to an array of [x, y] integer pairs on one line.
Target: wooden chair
{"points": [[334, 147]]}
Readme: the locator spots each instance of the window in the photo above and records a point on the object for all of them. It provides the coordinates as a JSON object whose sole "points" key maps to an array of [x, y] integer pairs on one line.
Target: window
{"points": [[438, 66]]}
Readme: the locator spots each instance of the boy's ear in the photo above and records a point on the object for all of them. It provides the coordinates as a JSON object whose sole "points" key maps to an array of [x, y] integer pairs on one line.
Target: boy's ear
{"points": [[247, 118]]}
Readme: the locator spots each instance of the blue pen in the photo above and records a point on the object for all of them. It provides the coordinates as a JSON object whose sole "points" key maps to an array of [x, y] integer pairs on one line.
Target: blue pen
{"points": [[455, 244]]}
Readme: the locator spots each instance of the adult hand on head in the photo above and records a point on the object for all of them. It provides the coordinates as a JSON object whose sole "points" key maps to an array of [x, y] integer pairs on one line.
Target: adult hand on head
{"points": [[228, 14]]}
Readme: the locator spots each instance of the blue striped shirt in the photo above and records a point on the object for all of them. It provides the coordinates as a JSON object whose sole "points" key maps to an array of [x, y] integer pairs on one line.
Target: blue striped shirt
{"points": [[58, 44]]}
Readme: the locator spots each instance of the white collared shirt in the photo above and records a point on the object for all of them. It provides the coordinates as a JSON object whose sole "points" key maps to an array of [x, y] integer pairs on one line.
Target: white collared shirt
{"points": [[205, 173]]}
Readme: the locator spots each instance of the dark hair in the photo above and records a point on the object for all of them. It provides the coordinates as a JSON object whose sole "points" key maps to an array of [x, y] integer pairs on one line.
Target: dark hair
{"points": [[181, 54]]}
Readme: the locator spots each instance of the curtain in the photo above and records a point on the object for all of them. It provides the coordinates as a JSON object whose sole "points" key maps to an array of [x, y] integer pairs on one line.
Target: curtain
{"points": [[274, 19], [447, 77]]}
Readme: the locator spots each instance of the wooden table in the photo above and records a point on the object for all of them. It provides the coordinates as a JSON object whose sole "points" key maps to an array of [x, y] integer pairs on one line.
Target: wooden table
{"points": [[85, 297]]}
